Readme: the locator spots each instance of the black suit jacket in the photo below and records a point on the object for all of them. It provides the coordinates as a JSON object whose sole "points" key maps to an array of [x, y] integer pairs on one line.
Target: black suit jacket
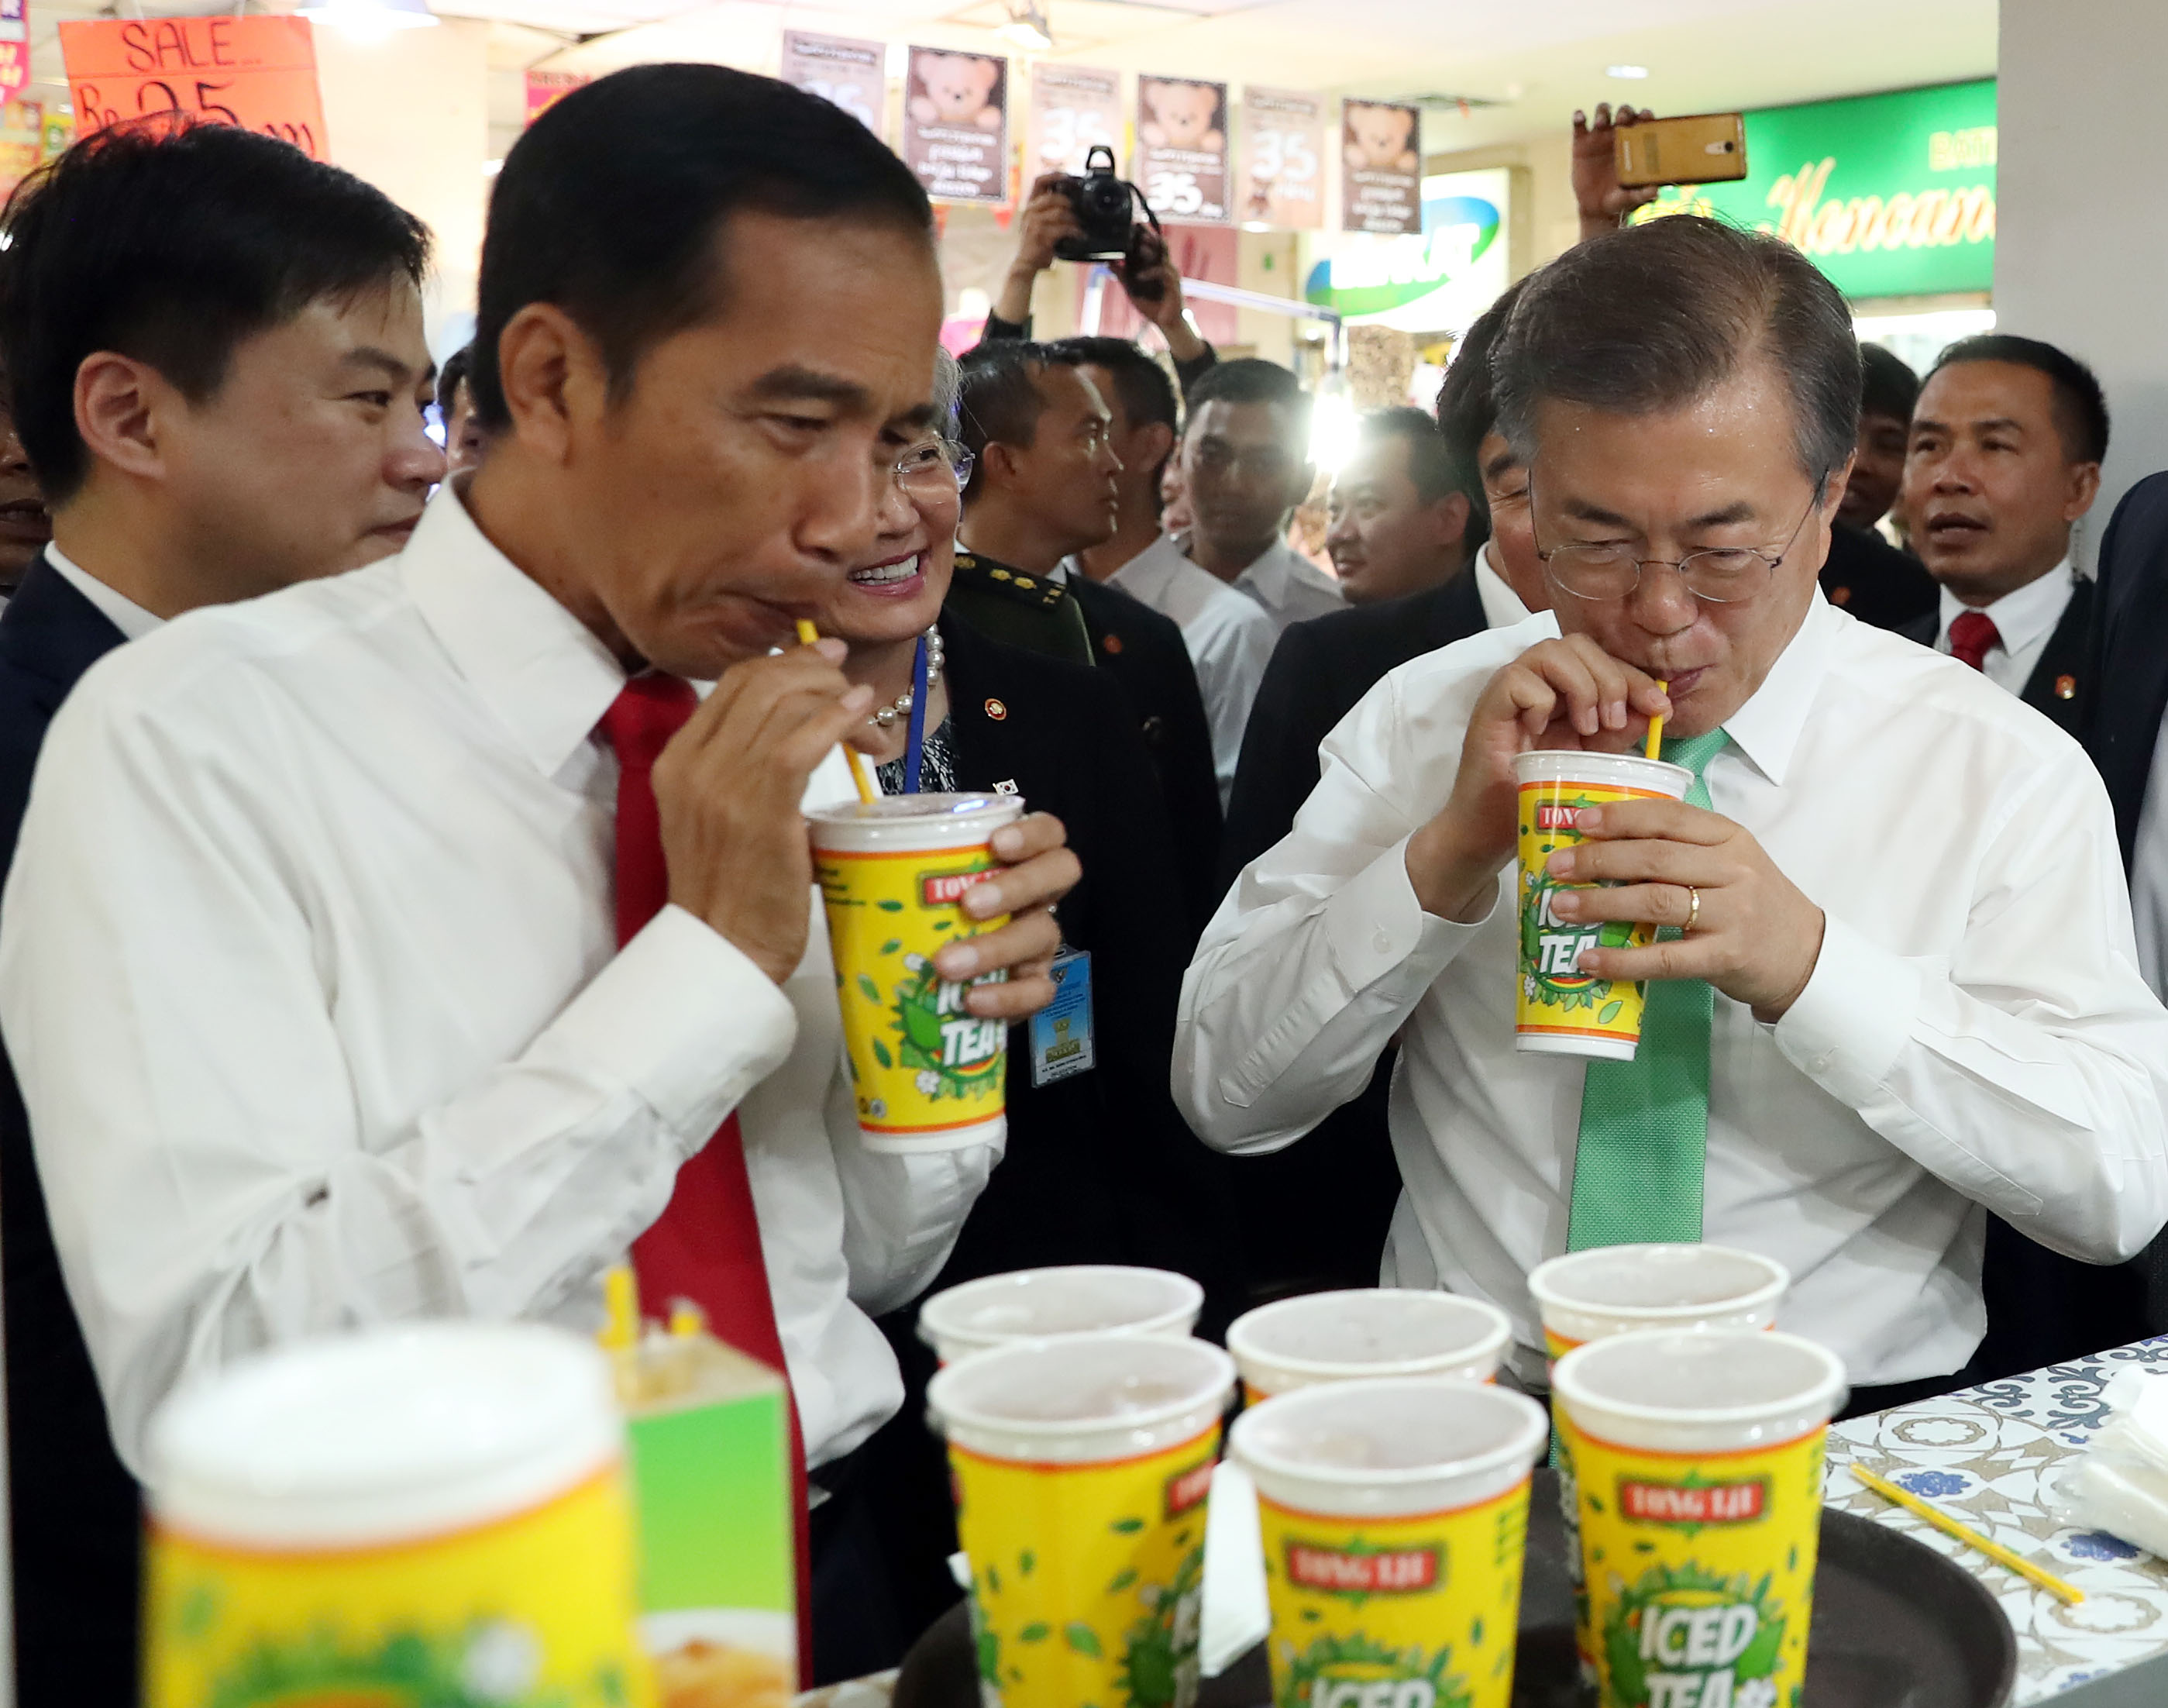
{"points": [[1316, 1214], [2061, 683], [1876, 581], [2129, 692], [1318, 671], [1144, 653], [73, 1510], [1099, 1168]]}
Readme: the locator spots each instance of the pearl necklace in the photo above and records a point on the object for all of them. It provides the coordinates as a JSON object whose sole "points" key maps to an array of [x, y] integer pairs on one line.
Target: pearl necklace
{"points": [[886, 717]]}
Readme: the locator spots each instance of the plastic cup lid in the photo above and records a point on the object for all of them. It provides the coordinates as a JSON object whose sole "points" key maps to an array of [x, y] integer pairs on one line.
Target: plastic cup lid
{"points": [[1087, 1397], [1390, 1430], [1657, 1281], [1072, 1298], [1709, 1377], [1352, 1332]]}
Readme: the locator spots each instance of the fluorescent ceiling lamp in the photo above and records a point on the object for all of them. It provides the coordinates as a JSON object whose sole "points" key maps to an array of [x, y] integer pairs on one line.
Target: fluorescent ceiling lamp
{"points": [[371, 19], [1027, 27], [1632, 73]]}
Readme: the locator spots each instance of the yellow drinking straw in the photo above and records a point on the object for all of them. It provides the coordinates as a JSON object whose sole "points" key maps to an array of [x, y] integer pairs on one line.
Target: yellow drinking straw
{"points": [[808, 635], [1949, 1526], [1655, 745]]}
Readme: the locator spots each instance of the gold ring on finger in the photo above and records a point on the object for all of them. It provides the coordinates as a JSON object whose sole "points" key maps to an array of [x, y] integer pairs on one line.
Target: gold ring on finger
{"points": [[1693, 908]]}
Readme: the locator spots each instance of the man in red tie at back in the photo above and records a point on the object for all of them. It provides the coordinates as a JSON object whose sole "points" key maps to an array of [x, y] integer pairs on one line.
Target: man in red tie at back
{"points": [[416, 943]]}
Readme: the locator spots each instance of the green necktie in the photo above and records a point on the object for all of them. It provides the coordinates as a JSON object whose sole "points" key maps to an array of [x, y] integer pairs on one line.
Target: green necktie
{"points": [[1644, 1152]]}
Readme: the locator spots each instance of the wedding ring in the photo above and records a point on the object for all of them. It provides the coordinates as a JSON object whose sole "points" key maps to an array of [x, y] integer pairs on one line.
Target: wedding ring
{"points": [[1693, 909]]}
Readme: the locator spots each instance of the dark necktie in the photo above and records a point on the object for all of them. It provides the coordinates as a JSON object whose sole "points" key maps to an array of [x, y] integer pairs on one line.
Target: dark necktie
{"points": [[705, 1246], [1972, 633]]}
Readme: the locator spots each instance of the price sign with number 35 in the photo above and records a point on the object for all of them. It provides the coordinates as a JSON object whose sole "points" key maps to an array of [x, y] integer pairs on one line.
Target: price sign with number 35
{"points": [[257, 74]]}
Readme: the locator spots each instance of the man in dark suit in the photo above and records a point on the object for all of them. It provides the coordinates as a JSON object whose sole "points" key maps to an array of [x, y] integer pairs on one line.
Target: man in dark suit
{"points": [[1863, 572], [2005, 449], [1046, 485], [240, 408], [1315, 1214]]}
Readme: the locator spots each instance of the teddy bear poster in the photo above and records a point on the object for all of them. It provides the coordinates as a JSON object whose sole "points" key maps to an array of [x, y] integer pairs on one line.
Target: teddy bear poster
{"points": [[1182, 146], [955, 128], [1380, 161]]}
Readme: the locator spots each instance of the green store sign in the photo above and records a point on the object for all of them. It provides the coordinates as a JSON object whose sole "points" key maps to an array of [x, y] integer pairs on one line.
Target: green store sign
{"points": [[1893, 195]]}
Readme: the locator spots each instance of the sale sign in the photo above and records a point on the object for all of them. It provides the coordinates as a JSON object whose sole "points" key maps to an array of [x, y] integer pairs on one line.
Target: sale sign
{"points": [[544, 89], [852, 74], [1380, 168], [955, 124], [14, 46], [1073, 111], [1182, 148], [1283, 147], [257, 74]]}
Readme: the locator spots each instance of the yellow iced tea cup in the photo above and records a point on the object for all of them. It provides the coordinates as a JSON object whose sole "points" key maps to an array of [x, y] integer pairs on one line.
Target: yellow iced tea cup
{"points": [[929, 1076], [1366, 1331], [1615, 1289], [429, 1512], [1395, 1513], [1067, 1299], [1697, 1463], [1558, 1010], [1083, 1468]]}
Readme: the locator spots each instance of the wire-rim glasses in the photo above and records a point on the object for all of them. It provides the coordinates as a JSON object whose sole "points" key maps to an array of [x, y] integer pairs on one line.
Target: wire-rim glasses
{"points": [[1724, 575]]}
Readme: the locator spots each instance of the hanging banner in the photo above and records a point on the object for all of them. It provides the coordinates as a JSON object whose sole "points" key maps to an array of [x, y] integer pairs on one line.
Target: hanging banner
{"points": [[257, 74], [1892, 195], [955, 124], [544, 89], [1433, 281], [1073, 111], [1380, 164], [14, 47], [1282, 145], [1182, 148], [852, 74]]}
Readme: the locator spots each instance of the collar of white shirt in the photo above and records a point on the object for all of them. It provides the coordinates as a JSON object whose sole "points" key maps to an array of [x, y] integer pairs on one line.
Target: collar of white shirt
{"points": [[133, 621], [1277, 571], [2021, 618], [1501, 605], [538, 667], [1766, 730]]}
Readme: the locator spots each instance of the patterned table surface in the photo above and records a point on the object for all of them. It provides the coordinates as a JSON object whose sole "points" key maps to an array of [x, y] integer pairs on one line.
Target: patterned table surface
{"points": [[1980, 1455]]}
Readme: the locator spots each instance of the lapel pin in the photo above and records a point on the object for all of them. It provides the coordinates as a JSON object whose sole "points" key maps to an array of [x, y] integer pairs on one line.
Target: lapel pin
{"points": [[997, 711], [2066, 688], [1005, 786]]}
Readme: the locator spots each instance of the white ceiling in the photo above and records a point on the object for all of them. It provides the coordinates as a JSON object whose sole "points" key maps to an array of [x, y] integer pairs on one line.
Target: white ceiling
{"points": [[1536, 59]]}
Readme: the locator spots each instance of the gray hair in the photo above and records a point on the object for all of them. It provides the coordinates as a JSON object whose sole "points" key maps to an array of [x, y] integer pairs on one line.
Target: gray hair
{"points": [[948, 390], [1657, 315]]}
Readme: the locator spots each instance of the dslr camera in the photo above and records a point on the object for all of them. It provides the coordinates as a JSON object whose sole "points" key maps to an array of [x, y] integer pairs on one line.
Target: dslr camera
{"points": [[1105, 208]]}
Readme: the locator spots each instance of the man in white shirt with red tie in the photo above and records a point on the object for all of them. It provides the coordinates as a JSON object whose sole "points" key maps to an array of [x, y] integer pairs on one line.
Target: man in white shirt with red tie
{"points": [[1899, 986], [328, 959]]}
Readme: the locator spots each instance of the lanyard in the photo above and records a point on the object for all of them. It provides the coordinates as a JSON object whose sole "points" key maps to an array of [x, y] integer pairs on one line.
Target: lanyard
{"points": [[914, 750]]}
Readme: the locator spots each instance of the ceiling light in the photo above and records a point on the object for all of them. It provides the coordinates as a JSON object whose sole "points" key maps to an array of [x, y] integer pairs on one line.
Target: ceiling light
{"points": [[1631, 72], [371, 19], [1027, 28]]}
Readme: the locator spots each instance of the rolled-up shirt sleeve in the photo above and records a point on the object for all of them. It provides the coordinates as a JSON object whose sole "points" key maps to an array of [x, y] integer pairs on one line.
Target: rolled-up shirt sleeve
{"points": [[2030, 1069], [1317, 956], [169, 998]]}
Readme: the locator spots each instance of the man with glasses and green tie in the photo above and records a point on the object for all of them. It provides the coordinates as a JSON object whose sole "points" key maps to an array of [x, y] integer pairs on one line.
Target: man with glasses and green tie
{"points": [[1895, 984]]}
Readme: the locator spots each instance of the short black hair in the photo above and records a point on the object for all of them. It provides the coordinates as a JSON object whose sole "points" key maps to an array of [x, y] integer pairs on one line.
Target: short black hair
{"points": [[1146, 393], [998, 400], [1250, 379], [613, 204], [457, 372], [172, 244], [1887, 384], [1432, 467], [1653, 317], [2080, 406], [1467, 406]]}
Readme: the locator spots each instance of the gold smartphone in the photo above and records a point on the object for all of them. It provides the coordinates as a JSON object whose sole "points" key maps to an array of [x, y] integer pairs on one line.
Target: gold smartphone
{"points": [[1701, 148]]}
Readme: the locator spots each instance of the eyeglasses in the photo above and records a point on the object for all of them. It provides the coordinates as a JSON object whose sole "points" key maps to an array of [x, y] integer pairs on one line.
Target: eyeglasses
{"points": [[937, 466], [1723, 576]]}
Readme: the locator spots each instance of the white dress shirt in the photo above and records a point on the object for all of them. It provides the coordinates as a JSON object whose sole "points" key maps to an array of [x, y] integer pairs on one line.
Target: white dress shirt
{"points": [[1230, 640], [308, 966], [1501, 605], [2024, 622], [2149, 871], [1975, 1030], [1290, 586], [133, 621]]}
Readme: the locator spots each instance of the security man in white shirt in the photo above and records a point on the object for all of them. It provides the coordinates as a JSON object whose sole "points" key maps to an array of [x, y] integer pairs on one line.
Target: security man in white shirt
{"points": [[1906, 987], [310, 960], [2003, 463]]}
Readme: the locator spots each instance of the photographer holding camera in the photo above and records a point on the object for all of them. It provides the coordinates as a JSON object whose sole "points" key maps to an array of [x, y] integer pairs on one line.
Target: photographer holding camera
{"points": [[1149, 276]]}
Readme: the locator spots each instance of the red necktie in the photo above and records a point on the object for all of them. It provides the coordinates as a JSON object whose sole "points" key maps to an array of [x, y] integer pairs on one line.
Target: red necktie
{"points": [[705, 1246], [1971, 634]]}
